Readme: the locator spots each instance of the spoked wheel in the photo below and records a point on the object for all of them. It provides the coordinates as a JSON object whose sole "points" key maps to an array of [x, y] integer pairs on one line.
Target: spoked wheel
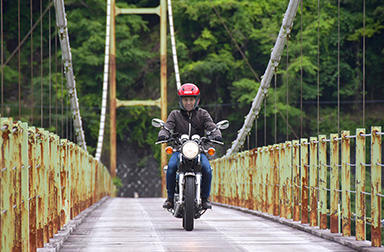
{"points": [[189, 203]]}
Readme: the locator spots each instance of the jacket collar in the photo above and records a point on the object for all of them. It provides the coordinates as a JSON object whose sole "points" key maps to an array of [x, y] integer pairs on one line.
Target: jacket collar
{"points": [[186, 114]]}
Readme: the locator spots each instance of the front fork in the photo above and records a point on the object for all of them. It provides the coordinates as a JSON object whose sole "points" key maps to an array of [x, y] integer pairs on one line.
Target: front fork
{"points": [[181, 187], [198, 187], [198, 183]]}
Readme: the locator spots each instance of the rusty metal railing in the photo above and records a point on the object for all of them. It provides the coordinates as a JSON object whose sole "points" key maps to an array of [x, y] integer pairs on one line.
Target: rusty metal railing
{"points": [[44, 182], [295, 180]]}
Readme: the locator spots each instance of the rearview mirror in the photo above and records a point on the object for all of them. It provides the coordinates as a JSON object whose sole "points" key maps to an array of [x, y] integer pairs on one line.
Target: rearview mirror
{"points": [[222, 124], [157, 123]]}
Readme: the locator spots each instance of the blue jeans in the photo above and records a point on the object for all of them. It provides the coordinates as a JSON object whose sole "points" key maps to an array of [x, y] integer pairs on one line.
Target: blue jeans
{"points": [[206, 175]]}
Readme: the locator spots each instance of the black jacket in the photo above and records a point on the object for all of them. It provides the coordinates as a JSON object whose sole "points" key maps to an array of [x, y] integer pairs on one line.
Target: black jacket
{"points": [[179, 121]]}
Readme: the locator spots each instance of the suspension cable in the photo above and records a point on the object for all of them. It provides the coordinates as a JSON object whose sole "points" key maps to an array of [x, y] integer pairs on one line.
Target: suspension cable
{"points": [[2, 58], [50, 68], [67, 118], [61, 23], [56, 84], [63, 118], [287, 114], [265, 121], [275, 112], [301, 68], [285, 29], [256, 132], [363, 63], [338, 66], [236, 44], [318, 67], [27, 35], [18, 58], [173, 42], [105, 83], [41, 68], [32, 91], [70, 124]]}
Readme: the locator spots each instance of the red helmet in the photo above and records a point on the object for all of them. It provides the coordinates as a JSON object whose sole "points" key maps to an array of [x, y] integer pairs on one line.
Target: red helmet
{"points": [[188, 90]]}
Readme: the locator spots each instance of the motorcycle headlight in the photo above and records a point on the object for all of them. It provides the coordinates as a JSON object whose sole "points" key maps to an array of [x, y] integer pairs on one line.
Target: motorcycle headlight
{"points": [[190, 149]]}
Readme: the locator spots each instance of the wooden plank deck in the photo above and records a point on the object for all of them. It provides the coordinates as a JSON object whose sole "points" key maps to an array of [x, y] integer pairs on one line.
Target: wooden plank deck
{"points": [[128, 224]]}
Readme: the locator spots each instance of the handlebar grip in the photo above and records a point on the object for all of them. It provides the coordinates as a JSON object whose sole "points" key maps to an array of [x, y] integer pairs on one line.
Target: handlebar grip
{"points": [[217, 142], [161, 142]]}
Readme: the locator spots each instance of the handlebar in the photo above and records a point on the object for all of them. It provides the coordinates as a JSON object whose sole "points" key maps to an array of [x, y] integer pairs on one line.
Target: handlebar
{"points": [[164, 141], [203, 139]]}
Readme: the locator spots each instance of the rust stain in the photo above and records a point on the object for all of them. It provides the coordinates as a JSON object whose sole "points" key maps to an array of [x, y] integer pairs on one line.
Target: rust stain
{"points": [[56, 223], [250, 204], [266, 203], [376, 230], [304, 201], [32, 225], [40, 238], [334, 223], [275, 158], [360, 230], [296, 182], [376, 236], [323, 221], [313, 215], [46, 233]]}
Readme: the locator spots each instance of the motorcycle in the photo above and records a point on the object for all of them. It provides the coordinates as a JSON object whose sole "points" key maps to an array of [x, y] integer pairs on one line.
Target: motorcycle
{"points": [[187, 198]]}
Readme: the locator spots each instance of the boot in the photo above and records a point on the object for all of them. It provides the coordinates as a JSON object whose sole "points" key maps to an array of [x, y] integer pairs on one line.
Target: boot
{"points": [[168, 204], [206, 204]]}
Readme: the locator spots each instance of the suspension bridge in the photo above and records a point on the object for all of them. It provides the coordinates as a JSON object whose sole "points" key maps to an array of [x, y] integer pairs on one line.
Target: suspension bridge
{"points": [[320, 193]]}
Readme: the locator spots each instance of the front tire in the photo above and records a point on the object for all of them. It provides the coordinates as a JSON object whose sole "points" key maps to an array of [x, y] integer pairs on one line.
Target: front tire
{"points": [[189, 203]]}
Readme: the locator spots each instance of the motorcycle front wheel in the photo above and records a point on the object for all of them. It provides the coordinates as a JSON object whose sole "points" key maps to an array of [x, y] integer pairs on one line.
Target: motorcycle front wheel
{"points": [[189, 203]]}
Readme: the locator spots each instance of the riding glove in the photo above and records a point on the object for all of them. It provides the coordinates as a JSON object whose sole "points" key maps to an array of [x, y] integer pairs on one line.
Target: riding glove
{"points": [[162, 138]]}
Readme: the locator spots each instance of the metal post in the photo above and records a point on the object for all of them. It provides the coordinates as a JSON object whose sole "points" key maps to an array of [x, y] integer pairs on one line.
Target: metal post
{"points": [[270, 180], [313, 181], [346, 183], [254, 179], [360, 185], [376, 186], [32, 158], [264, 184], [296, 180], [260, 179], [323, 181], [282, 190], [6, 223], [304, 180], [334, 182], [288, 178], [112, 94]]}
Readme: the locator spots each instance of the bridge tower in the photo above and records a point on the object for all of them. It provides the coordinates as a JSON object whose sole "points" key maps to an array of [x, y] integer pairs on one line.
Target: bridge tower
{"points": [[161, 11]]}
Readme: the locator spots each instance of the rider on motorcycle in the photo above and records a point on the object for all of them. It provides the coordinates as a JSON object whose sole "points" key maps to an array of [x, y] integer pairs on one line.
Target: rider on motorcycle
{"points": [[190, 120]]}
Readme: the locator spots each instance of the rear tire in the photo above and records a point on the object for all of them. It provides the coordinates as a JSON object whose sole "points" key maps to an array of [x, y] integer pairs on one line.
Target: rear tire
{"points": [[189, 203]]}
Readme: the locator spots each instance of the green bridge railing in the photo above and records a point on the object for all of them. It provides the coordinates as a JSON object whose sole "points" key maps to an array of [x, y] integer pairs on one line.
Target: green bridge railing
{"points": [[310, 181], [44, 182]]}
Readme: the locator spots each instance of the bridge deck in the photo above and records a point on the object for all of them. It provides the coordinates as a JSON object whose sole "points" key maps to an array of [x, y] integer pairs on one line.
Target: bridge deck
{"points": [[127, 224]]}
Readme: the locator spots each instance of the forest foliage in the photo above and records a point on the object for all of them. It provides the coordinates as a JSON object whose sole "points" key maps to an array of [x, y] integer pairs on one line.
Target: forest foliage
{"points": [[223, 46]]}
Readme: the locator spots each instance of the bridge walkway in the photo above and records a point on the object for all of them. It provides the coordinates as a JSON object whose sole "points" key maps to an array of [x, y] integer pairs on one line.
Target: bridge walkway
{"points": [[129, 224]]}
